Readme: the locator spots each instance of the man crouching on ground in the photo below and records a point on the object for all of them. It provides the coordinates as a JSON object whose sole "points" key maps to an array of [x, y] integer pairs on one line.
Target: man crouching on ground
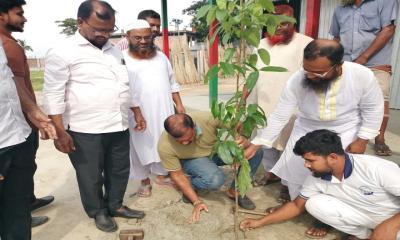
{"points": [[355, 193], [185, 148]]}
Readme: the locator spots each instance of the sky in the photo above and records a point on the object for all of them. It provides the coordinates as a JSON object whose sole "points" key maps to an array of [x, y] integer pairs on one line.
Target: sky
{"points": [[41, 32]]}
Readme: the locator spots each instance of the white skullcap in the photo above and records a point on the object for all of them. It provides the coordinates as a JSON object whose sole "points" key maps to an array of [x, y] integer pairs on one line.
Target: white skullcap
{"points": [[137, 24]]}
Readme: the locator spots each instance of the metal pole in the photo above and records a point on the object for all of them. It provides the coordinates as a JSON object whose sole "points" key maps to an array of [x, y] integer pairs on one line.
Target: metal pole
{"points": [[165, 27], [213, 52]]}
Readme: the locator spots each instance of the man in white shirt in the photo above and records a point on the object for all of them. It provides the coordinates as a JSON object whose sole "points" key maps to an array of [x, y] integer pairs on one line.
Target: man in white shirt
{"points": [[340, 96], [154, 20], [150, 73], [354, 193], [285, 44], [16, 149], [86, 93]]}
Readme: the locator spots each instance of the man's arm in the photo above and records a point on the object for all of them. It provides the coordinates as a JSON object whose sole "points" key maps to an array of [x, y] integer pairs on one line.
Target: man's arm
{"points": [[379, 42], [140, 121], [178, 102], [287, 211], [185, 186], [33, 112]]}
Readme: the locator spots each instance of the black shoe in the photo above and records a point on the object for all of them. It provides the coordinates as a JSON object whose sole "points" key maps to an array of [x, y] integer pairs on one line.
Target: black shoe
{"points": [[245, 202], [41, 202], [37, 221], [126, 212], [105, 223]]}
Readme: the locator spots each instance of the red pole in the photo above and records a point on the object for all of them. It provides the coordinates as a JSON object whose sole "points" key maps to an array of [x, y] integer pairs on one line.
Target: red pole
{"points": [[165, 27], [312, 22]]}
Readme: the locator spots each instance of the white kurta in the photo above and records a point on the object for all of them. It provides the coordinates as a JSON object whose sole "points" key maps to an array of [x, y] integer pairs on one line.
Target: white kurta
{"points": [[152, 81], [270, 85], [352, 107]]}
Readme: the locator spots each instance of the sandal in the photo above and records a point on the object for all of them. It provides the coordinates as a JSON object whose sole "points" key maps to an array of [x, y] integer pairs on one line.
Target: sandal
{"points": [[144, 191], [268, 178], [284, 195], [166, 182], [320, 227], [381, 149]]}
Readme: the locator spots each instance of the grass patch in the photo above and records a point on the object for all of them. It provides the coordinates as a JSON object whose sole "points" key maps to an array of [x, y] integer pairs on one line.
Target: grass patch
{"points": [[37, 79]]}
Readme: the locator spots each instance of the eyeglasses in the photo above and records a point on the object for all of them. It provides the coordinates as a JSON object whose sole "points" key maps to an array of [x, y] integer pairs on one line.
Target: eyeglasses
{"points": [[102, 31], [140, 38], [320, 75], [284, 24]]}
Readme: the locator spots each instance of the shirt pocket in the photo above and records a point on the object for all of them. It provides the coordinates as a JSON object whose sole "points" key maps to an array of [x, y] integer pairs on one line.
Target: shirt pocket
{"points": [[369, 20]]}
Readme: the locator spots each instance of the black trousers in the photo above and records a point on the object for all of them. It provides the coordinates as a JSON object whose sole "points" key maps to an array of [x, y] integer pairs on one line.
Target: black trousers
{"points": [[35, 143], [101, 160], [17, 167]]}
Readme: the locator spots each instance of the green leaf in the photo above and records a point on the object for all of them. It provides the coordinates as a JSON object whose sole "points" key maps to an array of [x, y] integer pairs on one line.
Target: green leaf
{"points": [[252, 108], [268, 5], [248, 126], [212, 73], [257, 10], [221, 4], [228, 54], [227, 69], [221, 14], [273, 69], [215, 34], [211, 15], [252, 38], [239, 69], [253, 59], [224, 154], [264, 55], [244, 180], [215, 109], [231, 7], [203, 11], [226, 38], [252, 80]]}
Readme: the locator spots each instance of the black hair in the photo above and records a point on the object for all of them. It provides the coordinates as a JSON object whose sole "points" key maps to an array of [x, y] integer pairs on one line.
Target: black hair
{"points": [[148, 14], [177, 125], [86, 9], [6, 5], [319, 142], [334, 52]]}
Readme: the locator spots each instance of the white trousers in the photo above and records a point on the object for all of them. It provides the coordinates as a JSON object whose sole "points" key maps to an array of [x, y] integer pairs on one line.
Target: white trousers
{"points": [[342, 216], [139, 171], [270, 157]]}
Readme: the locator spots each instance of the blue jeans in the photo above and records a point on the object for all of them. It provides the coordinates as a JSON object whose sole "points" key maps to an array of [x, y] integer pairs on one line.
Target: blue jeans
{"points": [[205, 173]]}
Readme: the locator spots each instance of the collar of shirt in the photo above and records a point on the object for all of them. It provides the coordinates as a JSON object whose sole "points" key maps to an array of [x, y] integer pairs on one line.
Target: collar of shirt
{"points": [[348, 169], [199, 131], [81, 40]]}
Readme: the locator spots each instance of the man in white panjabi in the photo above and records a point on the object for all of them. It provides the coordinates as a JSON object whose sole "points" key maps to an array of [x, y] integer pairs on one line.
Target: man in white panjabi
{"points": [[285, 44], [152, 82], [331, 94]]}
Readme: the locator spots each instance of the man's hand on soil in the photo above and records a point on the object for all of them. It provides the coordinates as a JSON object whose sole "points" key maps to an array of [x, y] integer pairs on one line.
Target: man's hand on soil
{"points": [[249, 224], [197, 210]]}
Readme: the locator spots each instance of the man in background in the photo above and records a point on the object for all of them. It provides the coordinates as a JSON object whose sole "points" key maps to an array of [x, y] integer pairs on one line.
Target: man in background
{"points": [[285, 44], [154, 20], [366, 30]]}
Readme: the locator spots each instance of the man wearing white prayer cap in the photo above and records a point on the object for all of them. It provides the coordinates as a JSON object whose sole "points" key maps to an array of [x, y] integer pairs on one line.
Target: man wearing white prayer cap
{"points": [[152, 81]]}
